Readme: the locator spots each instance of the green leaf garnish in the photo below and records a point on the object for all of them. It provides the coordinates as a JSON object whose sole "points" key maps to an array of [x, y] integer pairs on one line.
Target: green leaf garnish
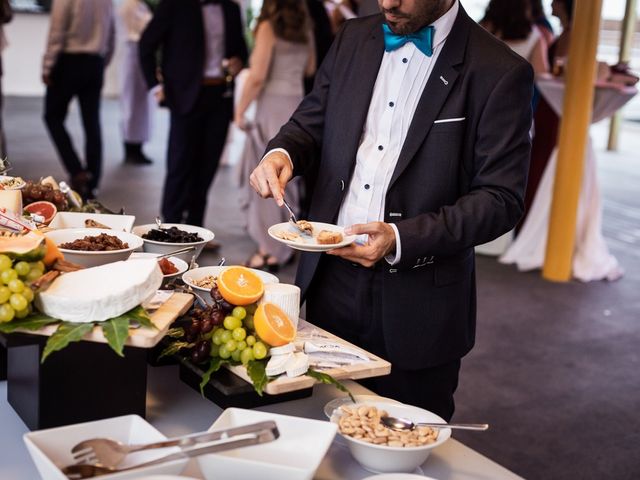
{"points": [[257, 371], [214, 366], [174, 348], [65, 334], [177, 332], [116, 331], [33, 322], [329, 380], [138, 314]]}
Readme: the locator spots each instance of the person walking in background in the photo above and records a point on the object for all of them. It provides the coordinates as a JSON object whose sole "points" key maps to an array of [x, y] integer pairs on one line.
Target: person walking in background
{"points": [[6, 15], [541, 21], [202, 47], [135, 105], [283, 55], [80, 44]]}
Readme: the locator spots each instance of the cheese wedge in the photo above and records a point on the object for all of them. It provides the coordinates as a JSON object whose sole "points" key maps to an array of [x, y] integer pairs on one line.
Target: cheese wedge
{"points": [[278, 364], [297, 365], [100, 293]]}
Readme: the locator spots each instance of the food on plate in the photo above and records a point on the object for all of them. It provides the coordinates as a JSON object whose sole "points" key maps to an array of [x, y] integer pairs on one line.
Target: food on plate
{"points": [[327, 237], [305, 226], [45, 209], [100, 293], [167, 266], [11, 183], [98, 243], [240, 286], [289, 236], [273, 326], [172, 235], [90, 223], [207, 282], [362, 422]]}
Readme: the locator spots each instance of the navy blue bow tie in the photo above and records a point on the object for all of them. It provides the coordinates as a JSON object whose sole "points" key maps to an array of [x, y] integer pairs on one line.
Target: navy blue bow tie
{"points": [[422, 39]]}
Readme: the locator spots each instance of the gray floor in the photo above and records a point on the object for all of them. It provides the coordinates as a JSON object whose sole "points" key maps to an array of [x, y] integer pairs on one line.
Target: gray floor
{"points": [[555, 368]]}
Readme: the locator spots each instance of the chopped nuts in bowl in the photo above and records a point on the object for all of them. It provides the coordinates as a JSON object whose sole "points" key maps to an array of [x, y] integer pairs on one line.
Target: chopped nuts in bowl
{"points": [[380, 449]]}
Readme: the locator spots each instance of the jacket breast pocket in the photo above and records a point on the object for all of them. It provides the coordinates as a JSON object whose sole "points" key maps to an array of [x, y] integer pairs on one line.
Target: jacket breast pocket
{"points": [[448, 126]]}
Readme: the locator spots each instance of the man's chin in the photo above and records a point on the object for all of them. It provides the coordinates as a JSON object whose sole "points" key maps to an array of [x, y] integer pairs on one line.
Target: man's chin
{"points": [[399, 27]]}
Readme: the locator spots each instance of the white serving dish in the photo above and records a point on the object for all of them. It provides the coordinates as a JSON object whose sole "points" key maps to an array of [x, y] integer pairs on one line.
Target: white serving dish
{"points": [[197, 274], [124, 223], [180, 264], [153, 246], [295, 455], [93, 259], [6, 178], [51, 449], [332, 405], [384, 459]]}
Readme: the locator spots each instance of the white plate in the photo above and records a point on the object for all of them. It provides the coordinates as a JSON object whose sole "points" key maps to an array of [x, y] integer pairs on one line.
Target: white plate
{"points": [[398, 476], [196, 274], [180, 264], [308, 244], [330, 407], [76, 220], [6, 178]]}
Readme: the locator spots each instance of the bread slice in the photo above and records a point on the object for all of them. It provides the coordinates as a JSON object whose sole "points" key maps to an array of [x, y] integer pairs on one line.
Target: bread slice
{"points": [[327, 237]]}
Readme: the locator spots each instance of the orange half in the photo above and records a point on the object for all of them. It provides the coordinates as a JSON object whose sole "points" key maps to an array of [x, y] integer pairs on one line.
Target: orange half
{"points": [[273, 326], [240, 286]]}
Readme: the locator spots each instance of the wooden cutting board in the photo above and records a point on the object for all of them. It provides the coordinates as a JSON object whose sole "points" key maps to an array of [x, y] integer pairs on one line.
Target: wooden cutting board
{"points": [[376, 367], [177, 304]]}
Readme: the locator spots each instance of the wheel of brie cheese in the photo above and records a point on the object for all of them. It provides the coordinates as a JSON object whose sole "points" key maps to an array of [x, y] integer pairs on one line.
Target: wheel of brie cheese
{"points": [[100, 293]]}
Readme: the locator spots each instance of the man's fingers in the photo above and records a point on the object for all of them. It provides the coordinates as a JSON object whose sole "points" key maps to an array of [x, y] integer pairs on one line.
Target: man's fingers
{"points": [[259, 183], [274, 186]]}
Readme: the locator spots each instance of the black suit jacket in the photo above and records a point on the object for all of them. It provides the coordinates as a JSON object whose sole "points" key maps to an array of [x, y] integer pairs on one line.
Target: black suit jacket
{"points": [[177, 32], [455, 185]]}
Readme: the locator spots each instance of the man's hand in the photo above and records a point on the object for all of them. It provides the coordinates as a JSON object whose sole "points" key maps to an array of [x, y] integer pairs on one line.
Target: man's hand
{"points": [[158, 93], [234, 65], [382, 241], [271, 176]]}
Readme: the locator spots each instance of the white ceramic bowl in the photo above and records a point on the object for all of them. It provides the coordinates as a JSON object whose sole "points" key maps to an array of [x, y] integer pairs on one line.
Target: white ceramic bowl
{"points": [[123, 223], [196, 274], [50, 449], [93, 259], [8, 178], [166, 247], [295, 455], [180, 264], [384, 459]]}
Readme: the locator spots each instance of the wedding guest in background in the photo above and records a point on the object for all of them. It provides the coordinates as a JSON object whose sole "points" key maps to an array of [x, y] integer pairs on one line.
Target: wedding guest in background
{"points": [[284, 54], [6, 15], [135, 104], [80, 44], [200, 43], [541, 21], [340, 11]]}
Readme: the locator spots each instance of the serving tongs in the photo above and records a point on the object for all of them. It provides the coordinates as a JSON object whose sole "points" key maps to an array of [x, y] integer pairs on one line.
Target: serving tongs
{"points": [[108, 454]]}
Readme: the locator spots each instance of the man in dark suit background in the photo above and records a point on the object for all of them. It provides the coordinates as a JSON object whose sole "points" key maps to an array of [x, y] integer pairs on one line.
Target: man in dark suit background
{"points": [[194, 39], [422, 121]]}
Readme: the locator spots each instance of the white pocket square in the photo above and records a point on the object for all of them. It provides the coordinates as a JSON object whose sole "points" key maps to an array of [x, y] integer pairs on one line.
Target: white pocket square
{"points": [[450, 120]]}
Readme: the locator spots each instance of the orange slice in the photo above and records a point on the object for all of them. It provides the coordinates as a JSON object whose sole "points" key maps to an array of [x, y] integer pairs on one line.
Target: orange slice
{"points": [[240, 286], [273, 326]]}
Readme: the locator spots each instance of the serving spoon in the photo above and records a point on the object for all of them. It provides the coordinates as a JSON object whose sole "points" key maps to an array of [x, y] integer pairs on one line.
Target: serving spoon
{"points": [[396, 423]]}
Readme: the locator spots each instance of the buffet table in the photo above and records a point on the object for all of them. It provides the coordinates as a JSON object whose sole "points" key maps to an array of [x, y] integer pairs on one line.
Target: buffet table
{"points": [[175, 409]]}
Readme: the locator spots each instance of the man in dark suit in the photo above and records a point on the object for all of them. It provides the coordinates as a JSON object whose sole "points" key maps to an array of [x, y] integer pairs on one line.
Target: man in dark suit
{"points": [[422, 120], [194, 39]]}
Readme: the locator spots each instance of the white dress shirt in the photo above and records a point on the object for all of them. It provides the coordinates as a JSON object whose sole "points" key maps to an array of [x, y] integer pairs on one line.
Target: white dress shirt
{"points": [[213, 19]]}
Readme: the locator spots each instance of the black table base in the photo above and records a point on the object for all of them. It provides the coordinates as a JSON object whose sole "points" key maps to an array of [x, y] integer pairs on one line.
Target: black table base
{"points": [[228, 390], [3, 358], [86, 381]]}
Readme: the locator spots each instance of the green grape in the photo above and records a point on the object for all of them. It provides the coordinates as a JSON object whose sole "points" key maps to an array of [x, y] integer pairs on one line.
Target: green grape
{"points": [[251, 340], [231, 345], [225, 336], [217, 336], [7, 275], [259, 350], [248, 323], [231, 322], [235, 355], [239, 312], [246, 355], [18, 302], [37, 266], [16, 285], [27, 293], [239, 334], [223, 352], [23, 313], [6, 313], [215, 350], [34, 274], [5, 263], [5, 293], [251, 309], [241, 345], [22, 268]]}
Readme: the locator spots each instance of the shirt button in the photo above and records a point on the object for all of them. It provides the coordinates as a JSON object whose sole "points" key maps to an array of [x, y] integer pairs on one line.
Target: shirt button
{"points": [[405, 60], [391, 104], [367, 186], [380, 147]]}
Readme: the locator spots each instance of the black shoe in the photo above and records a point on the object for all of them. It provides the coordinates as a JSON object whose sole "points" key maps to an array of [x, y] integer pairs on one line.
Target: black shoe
{"points": [[133, 154]]}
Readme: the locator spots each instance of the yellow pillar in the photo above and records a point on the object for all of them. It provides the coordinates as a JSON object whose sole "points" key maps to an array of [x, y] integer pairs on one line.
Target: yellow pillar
{"points": [[572, 142]]}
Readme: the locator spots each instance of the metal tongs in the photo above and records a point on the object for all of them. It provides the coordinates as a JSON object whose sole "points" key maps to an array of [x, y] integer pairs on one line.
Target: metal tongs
{"points": [[109, 454]]}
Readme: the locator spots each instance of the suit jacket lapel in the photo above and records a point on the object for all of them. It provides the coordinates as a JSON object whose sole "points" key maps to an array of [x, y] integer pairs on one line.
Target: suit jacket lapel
{"points": [[440, 84]]}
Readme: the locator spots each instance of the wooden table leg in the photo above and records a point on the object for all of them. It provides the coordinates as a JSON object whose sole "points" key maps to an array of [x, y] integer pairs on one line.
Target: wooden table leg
{"points": [[85, 381]]}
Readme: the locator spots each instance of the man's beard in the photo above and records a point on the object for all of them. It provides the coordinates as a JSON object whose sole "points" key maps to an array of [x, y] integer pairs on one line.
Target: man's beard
{"points": [[428, 12]]}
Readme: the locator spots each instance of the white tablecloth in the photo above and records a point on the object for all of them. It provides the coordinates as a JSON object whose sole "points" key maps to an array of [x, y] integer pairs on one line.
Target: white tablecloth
{"points": [[591, 257]]}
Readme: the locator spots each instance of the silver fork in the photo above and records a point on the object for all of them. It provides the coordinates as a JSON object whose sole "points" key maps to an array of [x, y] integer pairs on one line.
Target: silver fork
{"points": [[293, 220], [108, 454]]}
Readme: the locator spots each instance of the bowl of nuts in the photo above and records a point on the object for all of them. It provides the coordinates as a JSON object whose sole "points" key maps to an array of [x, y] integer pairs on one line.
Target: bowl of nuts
{"points": [[380, 449]]}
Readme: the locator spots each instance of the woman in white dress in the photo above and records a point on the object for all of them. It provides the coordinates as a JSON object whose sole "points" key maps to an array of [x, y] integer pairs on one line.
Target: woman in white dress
{"points": [[135, 104], [283, 55]]}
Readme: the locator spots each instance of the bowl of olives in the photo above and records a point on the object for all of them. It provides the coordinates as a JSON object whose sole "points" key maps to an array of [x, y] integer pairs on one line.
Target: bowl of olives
{"points": [[170, 237]]}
